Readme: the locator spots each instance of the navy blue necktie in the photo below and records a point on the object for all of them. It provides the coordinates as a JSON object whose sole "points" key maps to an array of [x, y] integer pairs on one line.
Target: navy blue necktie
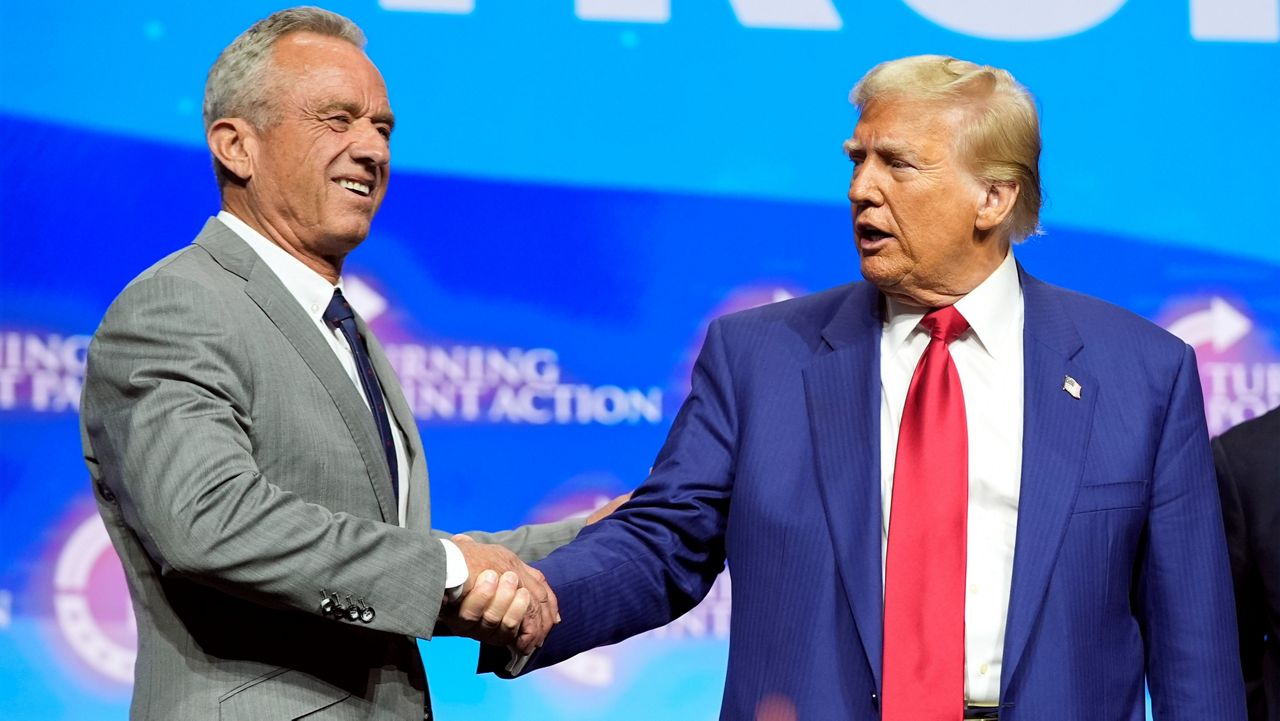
{"points": [[340, 316]]}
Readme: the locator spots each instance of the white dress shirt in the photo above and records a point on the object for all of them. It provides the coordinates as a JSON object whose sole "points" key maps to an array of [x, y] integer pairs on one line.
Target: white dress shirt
{"points": [[989, 360], [313, 292]]}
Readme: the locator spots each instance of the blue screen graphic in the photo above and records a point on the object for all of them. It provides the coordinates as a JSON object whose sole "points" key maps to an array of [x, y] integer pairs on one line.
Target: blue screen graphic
{"points": [[578, 189]]}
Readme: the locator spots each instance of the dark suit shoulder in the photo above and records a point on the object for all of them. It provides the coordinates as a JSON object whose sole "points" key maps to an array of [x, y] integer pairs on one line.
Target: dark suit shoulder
{"points": [[1254, 442]]}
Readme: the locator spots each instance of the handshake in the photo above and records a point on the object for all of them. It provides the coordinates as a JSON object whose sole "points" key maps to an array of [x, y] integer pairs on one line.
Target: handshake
{"points": [[504, 601]]}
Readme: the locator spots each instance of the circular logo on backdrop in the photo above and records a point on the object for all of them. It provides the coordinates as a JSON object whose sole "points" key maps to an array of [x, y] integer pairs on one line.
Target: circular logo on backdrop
{"points": [[91, 604]]}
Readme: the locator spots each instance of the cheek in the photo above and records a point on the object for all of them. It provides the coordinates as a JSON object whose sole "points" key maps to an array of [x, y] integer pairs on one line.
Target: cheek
{"points": [[944, 212], [923, 226]]}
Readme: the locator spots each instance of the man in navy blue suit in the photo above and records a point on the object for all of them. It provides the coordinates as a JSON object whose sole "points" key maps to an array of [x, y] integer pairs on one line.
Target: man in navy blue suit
{"points": [[952, 491]]}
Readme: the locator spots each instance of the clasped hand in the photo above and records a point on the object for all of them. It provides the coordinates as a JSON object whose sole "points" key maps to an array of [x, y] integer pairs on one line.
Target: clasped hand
{"points": [[507, 604]]}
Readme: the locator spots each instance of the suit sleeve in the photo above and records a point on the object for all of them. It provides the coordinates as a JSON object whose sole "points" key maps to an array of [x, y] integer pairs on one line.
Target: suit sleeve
{"points": [[1250, 607], [1185, 607], [657, 556], [167, 409], [531, 542]]}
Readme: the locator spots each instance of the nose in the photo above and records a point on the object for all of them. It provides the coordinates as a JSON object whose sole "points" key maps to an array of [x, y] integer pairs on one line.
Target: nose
{"points": [[863, 187], [369, 145]]}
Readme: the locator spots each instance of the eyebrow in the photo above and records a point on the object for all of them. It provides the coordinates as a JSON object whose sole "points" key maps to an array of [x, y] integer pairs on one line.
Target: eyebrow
{"points": [[890, 148]]}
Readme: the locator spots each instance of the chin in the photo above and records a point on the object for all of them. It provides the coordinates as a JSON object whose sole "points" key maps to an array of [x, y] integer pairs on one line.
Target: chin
{"points": [[881, 274], [343, 240], [351, 228]]}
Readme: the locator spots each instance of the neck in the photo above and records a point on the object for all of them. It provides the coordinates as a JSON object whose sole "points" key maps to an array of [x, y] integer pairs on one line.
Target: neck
{"points": [[328, 267], [955, 289]]}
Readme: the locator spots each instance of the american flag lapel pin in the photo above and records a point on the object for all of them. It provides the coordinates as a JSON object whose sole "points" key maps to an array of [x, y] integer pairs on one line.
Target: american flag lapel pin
{"points": [[1071, 386]]}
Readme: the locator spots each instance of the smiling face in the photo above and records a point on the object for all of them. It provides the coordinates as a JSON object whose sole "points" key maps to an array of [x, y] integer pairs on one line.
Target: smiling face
{"points": [[318, 172], [922, 232]]}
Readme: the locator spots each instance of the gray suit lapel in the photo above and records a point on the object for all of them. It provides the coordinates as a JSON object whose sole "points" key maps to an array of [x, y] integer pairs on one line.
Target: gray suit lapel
{"points": [[265, 289]]}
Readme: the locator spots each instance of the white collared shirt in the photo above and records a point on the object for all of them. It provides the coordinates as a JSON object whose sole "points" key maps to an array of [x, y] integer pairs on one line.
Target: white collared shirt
{"points": [[989, 360], [313, 293]]}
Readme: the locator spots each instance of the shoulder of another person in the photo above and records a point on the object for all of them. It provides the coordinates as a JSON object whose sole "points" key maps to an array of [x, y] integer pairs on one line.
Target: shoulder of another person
{"points": [[1254, 437]]}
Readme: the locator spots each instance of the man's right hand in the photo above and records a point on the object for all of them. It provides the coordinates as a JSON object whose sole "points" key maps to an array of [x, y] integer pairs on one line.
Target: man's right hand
{"points": [[512, 606]]}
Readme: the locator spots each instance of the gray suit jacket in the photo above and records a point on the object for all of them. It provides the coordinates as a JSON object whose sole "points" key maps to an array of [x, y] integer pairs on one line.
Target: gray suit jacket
{"points": [[240, 477]]}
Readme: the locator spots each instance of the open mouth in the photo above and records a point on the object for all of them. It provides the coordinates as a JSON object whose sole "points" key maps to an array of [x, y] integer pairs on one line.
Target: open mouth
{"points": [[870, 234], [355, 186]]}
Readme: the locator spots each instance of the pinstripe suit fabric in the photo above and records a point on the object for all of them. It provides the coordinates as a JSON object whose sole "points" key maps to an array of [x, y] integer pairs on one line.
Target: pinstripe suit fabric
{"points": [[240, 474], [773, 465]]}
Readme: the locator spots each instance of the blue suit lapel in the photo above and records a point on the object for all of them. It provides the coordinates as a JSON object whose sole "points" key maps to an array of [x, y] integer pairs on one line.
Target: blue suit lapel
{"points": [[842, 388], [1055, 437]]}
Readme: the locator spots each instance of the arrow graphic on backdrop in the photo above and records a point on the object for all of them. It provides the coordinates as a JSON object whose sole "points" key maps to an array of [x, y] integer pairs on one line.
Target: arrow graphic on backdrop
{"points": [[1220, 325], [367, 301]]}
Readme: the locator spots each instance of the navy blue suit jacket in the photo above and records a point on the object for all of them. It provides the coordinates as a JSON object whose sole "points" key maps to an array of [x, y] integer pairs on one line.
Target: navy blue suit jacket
{"points": [[773, 464]]}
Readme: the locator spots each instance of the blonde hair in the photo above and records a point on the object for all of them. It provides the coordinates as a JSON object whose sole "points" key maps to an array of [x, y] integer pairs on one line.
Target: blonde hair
{"points": [[1001, 139]]}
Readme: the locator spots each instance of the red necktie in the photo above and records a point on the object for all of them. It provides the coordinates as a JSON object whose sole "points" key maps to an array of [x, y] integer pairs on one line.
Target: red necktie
{"points": [[925, 564]]}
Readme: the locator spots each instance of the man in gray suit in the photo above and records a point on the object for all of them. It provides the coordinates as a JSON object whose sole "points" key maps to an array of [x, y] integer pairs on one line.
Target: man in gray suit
{"points": [[254, 459]]}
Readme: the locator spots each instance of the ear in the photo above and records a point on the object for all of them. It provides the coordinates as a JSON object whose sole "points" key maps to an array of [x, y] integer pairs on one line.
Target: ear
{"points": [[997, 203], [234, 143]]}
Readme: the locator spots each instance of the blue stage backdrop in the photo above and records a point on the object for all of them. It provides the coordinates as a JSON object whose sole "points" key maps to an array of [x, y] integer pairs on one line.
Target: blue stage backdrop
{"points": [[579, 188]]}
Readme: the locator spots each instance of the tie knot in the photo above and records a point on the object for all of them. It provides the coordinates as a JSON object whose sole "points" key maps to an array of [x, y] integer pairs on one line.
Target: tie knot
{"points": [[945, 324], [339, 309]]}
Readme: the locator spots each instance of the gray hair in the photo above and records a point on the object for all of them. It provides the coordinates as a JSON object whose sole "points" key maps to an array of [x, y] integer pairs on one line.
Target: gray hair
{"points": [[239, 85], [1000, 140]]}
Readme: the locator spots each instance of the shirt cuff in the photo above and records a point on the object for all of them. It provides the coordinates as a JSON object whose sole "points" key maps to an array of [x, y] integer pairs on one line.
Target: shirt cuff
{"points": [[455, 571], [517, 662]]}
